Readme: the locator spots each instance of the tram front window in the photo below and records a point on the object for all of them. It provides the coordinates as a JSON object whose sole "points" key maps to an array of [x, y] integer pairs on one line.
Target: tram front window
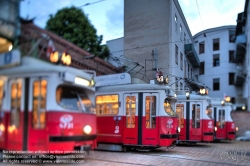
{"points": [[209, 111], [74, 98], [168, 108], [221, 122]]}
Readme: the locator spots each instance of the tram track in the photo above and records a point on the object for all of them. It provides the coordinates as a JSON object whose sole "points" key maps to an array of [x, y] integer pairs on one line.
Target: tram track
{"points": [[180, 155]]}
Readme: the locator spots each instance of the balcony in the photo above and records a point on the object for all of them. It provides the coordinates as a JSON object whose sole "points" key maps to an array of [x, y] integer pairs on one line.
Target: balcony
{"points": [[241, 41], [240, 77], [192, 55]]}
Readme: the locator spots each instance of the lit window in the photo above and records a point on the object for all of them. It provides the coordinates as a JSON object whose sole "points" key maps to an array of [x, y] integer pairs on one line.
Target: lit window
{"points": [[39, 103], [150, 112], [107, 105], [180, 113], [130, 111], [16, 94]]}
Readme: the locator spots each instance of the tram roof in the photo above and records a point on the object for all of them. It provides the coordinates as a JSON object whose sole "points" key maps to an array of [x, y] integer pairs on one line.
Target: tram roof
{"points": [[132, 87], [193, 97], [217, 101], [31, 65]]}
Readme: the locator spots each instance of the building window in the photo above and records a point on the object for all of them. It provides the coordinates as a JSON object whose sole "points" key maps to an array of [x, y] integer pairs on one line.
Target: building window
{"points": [[184, 38], [231, 36], [216, 60], [176, 83], [180, 32], [216, 44], [231, 79], [202, 68], [201, 47], [216, 84], [176, 22], [231, 56], [191, 72], [188, 70], [181, 61], [176, 54]]}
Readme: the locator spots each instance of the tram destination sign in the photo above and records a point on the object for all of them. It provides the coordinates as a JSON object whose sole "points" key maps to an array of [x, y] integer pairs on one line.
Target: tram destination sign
{"points": [[113, 79], [9, 59]]}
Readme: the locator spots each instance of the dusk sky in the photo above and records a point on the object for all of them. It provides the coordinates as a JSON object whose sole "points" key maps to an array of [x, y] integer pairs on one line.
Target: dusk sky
{"points": [[107, 15]]}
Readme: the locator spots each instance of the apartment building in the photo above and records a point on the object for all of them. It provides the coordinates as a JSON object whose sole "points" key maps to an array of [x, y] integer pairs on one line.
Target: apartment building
{"points": [[157, 40], [219, 69]]}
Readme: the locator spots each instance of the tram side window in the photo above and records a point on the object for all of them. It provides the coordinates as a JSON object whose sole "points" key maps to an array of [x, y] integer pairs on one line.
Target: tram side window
{"points": [[16, 93], [39, 103], [168, 108], [180, 113], [1, 99], [150, 112], [107, 105], [130, 111], [221, 123], [195, 115]]}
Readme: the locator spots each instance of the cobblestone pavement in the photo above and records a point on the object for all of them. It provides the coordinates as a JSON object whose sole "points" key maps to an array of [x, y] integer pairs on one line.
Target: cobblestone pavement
{"points": [[211, 154]]}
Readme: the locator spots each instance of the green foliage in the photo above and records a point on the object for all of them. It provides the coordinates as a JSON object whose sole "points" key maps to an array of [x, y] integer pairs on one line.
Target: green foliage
{"points": [[73, 25]]}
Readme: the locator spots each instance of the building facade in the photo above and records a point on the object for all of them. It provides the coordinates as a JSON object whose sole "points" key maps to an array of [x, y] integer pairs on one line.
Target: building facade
{"points": [[219, 69], [157, 40], [242, 54]]}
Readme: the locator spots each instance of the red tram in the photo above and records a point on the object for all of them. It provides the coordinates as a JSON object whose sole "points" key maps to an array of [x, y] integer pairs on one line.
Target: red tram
{"points": [[46, 107], [134, 114], [223, 121], [195, 118]]}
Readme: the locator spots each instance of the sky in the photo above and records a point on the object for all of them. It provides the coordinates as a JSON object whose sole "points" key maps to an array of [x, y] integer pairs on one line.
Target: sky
{"points": [[107, 15]]}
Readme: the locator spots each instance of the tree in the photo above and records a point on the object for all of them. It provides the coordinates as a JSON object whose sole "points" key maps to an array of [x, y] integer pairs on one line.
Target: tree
{"points": [[73, 25]]}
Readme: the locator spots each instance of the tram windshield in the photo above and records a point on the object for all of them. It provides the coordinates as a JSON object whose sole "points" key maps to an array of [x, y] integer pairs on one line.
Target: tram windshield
{"points": [[74, 98], [209, 111], [168, 108]]}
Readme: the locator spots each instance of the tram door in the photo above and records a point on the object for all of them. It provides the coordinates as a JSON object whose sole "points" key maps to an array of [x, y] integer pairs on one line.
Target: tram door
{"points": [[141, 121], [26, 96], [195, 121], [219, 120], [180, 110]]}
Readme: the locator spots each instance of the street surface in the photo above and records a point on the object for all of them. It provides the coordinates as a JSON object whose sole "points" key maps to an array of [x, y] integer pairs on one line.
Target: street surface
{"points": [[214, 154]]}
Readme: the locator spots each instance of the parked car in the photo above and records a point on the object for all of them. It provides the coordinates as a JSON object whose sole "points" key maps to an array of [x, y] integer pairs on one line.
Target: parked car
{"points": [[245, 137]]}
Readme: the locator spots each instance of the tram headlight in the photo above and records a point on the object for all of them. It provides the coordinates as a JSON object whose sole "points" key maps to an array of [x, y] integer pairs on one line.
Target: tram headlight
{"points": [[236, 128], [179, 129], [215, 128], [87, 129]]}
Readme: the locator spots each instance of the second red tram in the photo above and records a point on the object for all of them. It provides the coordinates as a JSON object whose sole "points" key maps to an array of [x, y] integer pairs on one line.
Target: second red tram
{"points": [[134, 115], [226, 128], [195, 118], [46, 107]]}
